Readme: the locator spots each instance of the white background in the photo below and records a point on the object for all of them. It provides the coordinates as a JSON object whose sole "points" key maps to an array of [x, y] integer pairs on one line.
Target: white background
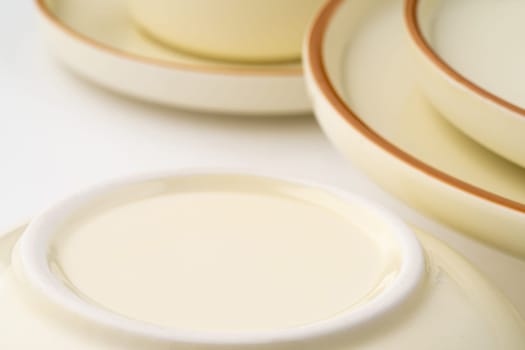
{"points": [[59, 133]]}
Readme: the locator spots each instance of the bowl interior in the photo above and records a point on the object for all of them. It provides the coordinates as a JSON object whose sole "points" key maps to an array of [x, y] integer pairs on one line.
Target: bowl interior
{"points": [[475, 42], [369, 65]]}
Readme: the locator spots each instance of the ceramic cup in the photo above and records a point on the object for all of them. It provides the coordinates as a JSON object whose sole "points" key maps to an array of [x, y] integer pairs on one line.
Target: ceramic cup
{"points": [[235, 30]]}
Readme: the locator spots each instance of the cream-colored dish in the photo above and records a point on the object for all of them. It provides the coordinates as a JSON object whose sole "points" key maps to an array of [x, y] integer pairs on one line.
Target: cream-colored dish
{"points": [[470, 54], [235, 30], [373, 111], [98, 40], [271, 233]]}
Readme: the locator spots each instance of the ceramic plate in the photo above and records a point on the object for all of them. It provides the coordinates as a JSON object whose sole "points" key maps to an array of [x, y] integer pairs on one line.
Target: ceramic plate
{"points": [[98, 40], [361, 76]]}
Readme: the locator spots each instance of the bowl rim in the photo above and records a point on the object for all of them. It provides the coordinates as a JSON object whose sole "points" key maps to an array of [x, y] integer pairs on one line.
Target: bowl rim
{"points": [[315, 64], [32, 260], [423, 46], [240, 69]]}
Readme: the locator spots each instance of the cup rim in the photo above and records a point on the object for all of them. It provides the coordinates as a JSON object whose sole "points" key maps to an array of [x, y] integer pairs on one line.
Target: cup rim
{"points": [[33, 261]]}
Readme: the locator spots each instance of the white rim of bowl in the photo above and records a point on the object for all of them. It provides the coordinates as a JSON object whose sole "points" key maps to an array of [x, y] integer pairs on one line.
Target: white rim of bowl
{"points": [[33, 259], [241, 70]]}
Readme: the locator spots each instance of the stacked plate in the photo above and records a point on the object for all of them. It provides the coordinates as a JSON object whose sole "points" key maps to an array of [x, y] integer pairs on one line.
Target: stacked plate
{"points": [[419, 94], [375, 112], [364, 82]]}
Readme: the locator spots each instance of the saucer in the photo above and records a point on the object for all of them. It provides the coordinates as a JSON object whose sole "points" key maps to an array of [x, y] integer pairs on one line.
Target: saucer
{"points": [[374, 112], [98, 40]]}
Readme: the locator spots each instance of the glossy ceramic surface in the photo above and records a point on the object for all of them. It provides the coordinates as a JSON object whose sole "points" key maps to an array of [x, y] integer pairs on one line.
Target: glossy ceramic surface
{"points": [[159, 138], [375, 114], [477, 87], [99, 41], [236, 30], [476, 316]]}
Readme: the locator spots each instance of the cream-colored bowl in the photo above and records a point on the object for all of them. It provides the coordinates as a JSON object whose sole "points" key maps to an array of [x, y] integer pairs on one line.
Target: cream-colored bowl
{"points": [[470, 54], [374, 112], [238, 30], [232, 260]]}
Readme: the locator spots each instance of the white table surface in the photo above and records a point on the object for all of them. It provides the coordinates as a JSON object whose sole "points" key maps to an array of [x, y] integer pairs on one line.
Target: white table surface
{"points": [[59, 133]]}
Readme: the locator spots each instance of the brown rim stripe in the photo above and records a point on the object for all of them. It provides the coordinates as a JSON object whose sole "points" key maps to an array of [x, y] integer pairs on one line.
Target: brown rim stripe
{"points": [[414, 30], [315, 42], [238, 70]]}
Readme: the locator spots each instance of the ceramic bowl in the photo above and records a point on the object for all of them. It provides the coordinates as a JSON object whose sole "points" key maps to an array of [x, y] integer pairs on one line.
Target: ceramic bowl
{"points": [[470, 59], [411, 280], [99, 41], [375, 114], [238, 30]]}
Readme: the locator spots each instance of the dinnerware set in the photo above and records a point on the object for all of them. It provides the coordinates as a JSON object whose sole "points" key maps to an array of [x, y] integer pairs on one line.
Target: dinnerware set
{"points": [[229, 259]]}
